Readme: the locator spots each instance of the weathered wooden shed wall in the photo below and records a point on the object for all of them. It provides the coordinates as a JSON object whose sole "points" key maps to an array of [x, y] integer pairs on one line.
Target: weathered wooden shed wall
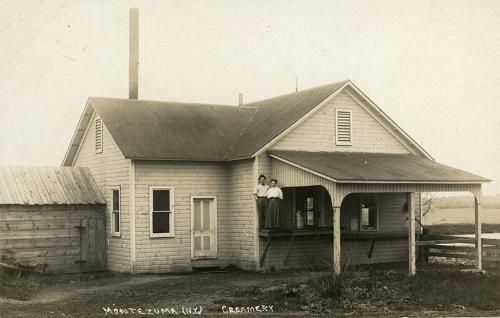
{"points": [[110, 169], [49, 236], [51, 218]]}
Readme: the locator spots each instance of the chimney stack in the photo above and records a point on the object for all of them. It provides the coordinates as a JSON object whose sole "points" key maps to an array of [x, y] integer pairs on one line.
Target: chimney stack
{"points": [[240, 99], [133, 63]]}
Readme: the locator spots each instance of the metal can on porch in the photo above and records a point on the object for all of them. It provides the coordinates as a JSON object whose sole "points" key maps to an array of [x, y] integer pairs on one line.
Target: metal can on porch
{"points": [[299, 223]]}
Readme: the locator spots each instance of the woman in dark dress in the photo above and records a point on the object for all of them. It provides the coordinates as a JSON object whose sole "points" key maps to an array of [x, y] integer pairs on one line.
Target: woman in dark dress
{"points": [[274, 195]]}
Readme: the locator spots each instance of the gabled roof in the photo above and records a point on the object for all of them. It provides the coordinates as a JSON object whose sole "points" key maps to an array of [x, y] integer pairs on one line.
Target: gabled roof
{"points": [[48, 185], [174, 131], [186, 131], [375, 167], [275, 115]]}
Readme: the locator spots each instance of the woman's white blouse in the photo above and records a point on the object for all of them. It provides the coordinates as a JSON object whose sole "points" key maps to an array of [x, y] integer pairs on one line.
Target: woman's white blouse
{"points": [[274, 193]]}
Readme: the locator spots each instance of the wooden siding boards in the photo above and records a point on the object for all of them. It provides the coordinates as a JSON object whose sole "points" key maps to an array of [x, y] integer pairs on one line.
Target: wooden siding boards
{"points": [[229, 182], [264, 166], [317, 133], [44, 234], [187, 179], [242, 208], [47, 186], [109, 169]]}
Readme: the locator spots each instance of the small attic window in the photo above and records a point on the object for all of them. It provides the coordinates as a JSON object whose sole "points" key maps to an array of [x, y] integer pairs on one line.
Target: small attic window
{"points": [[98, 135], [343, 123]]}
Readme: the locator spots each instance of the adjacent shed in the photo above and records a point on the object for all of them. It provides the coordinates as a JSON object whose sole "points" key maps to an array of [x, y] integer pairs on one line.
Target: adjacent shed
{"points": [[51, 219]]}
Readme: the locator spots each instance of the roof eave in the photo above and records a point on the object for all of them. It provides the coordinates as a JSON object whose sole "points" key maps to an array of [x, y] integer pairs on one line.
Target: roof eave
{"points": [[176, 159], [413, 182], [365, 181], [300, 120], [78, 135]]}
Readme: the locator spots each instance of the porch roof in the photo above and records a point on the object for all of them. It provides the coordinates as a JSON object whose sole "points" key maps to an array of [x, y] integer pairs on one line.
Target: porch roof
{"points": [[355, 167]]}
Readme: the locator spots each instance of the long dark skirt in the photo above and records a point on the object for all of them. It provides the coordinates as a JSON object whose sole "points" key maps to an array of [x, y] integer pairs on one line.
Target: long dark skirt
{"points": [[261, 209], [272, 214]]}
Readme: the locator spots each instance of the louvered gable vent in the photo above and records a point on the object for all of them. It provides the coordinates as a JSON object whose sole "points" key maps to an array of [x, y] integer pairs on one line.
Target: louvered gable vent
{"points": [[343, 127], [98, 135]]}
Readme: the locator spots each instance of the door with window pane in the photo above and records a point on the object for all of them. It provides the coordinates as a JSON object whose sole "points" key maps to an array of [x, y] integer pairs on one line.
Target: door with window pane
{"points": [[204, 240]]}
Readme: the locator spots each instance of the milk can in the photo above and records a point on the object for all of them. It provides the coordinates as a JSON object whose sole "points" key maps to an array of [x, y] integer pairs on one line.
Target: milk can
{"points": [[299, 224]]}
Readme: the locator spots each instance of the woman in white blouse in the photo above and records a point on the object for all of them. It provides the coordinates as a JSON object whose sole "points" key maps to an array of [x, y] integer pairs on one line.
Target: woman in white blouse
{"points": [[274, 195]]}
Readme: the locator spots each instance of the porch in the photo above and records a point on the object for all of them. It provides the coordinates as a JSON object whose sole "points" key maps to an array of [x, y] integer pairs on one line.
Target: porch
{"points": [[355, 204], [305, 234]]}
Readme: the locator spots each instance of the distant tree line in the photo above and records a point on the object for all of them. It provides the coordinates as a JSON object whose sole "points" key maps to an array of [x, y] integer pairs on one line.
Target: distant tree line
{"points": [[464, 201]]}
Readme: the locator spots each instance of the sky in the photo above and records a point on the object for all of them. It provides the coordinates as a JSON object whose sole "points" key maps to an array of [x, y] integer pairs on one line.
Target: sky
{"points": [[432, 66]]}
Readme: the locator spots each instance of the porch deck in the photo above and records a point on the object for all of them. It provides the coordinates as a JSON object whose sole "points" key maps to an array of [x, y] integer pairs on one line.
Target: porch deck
{"points": [[316, 232], [352, 235]]}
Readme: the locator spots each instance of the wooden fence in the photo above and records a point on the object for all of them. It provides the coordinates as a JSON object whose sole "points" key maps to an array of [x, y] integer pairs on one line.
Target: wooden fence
{"points": [[454, 247]]}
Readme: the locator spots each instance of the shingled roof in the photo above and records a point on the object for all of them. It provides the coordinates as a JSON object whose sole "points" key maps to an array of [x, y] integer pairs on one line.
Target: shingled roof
{"points": [[204, 132], [156, 130], [174, 131], [375, 167]]}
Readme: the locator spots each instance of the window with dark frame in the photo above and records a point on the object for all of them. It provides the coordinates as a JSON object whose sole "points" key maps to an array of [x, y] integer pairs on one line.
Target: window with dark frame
{"points": [[368, 220], [161, 213], [115, 220], [308, 200]]}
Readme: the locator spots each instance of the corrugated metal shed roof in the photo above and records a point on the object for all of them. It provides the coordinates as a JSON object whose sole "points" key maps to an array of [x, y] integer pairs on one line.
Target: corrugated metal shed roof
{"points": [[48, 185], [376, 167]]}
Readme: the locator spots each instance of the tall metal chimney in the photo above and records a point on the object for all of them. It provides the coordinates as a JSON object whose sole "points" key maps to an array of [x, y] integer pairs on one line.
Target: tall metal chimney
{"points": [[240, 99], [133, 62]]}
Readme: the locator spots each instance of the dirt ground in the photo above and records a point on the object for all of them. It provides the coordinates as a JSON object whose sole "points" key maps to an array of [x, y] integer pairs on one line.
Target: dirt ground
{"points": [[208, 294]]}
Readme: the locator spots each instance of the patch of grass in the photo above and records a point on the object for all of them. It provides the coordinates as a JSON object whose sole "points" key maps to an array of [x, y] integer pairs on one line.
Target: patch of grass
{"points": [[18, 288], [448, 289], [391, 290], [24, 287], [452, 229]]}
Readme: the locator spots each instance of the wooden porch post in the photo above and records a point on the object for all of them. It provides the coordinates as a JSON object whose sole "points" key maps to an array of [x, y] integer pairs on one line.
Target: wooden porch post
{"points": [[479, 246], [336, 240], [411, 235]]}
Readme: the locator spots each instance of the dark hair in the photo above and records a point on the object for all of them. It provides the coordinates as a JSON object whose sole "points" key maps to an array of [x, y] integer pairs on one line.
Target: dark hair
{"points": [[274, 180], [262, 176]]}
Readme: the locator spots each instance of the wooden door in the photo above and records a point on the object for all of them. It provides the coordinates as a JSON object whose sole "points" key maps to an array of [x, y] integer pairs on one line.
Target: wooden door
{"points": [[93, 245], [204, 227]]}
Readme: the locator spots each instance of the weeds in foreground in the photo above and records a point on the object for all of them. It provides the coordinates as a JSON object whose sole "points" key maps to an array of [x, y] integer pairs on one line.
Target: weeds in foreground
{"points": [[337, 287], [388, 290]]}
